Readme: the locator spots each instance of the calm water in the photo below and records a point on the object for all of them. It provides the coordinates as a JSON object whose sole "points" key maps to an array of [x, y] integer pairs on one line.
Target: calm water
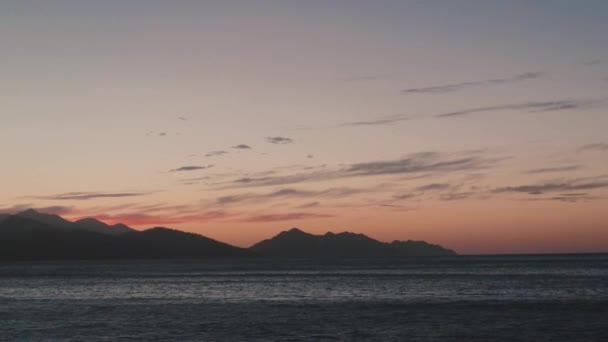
{"points": [[538, 298]]}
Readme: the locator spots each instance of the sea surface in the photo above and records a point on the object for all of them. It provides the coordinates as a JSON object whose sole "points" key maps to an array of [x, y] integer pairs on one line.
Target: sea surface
{"points": [[480, 298]]}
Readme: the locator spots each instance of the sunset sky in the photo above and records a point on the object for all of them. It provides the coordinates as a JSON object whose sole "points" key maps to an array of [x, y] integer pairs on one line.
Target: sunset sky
{"points": [[478, 125]]}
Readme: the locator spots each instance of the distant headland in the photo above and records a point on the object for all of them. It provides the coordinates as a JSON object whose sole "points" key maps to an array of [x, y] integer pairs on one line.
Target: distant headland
{"points": [[32, 235]]}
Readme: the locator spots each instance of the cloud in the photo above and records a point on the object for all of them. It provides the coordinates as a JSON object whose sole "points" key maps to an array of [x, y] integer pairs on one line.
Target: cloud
{"points": [[532, 107], [555, 169], [454, 196], [365, 78], [191, 168], [558, 186], [142, 219], [308, 205], [279, 140], [443, 191], [215, 153], [242, 147], [55, 210], [291, 193], [434, 186], [601, 147], [596, 62], [570, 198], [377, 122], [417, 163], [283, 217], [445, 88], [404, 196], [83, 196]]}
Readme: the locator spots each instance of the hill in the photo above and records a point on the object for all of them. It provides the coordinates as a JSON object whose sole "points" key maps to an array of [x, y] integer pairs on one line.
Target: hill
{"points": [[33, 235], [296, 243], [22, 237]]}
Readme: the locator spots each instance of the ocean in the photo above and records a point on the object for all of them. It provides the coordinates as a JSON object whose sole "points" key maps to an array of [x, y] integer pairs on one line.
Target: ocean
{"points": [[467, 298]]}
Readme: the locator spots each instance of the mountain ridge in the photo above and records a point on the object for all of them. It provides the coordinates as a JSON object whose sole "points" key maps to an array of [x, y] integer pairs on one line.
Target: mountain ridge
{"points": [[296, 243], [33, 235]]}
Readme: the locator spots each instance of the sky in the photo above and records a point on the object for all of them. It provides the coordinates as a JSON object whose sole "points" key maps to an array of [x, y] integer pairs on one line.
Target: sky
{"points": [[477, 125]]}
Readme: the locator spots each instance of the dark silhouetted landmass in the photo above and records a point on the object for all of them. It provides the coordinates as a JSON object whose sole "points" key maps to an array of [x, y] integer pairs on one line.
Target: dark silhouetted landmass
{"points": [[22, 237], [87, 224], [296, 243], [93, 225], [33, 235]]}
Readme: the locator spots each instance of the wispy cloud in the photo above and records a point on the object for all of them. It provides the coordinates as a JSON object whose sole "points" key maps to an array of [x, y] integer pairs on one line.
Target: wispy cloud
{"points": [[555, 169], [308, 205], [455, 196], [215, 153], [445, 88], [82, 196], [376, 122], [403, 196], [433, 187], [595, 62], [442, 191], [417, 163], [532, 107], [55, 210], [284, 217], [570, 198], [601, 147], [279, 140], [242, 147], [572, 185], [291, 193], [191, 168], [143, 219]]}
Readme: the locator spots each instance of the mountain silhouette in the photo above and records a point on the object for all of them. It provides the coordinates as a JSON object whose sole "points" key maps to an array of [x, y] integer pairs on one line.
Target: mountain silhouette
{"points": [[33, 235], [87, 224], [93, 225], [296, 243], [54, 221]]}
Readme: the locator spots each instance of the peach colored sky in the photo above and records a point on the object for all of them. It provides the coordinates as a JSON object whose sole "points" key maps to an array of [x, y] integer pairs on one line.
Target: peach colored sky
{"points": [[480, 126]]}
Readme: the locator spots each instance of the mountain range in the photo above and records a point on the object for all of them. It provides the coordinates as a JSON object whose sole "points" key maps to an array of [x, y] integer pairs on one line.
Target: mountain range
{"points": [[33, 235]]}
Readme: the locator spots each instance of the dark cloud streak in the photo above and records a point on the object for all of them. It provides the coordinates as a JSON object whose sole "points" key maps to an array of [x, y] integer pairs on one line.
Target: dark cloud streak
{"points": [[90, 195], [532, 107], [378, 122], [279, 140], [291, 193], [417, 163], [215, 153], [472, 84], [555, 169], [601, 147], [191, 168], [242, 147], [283, 217], [558, 186]]}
